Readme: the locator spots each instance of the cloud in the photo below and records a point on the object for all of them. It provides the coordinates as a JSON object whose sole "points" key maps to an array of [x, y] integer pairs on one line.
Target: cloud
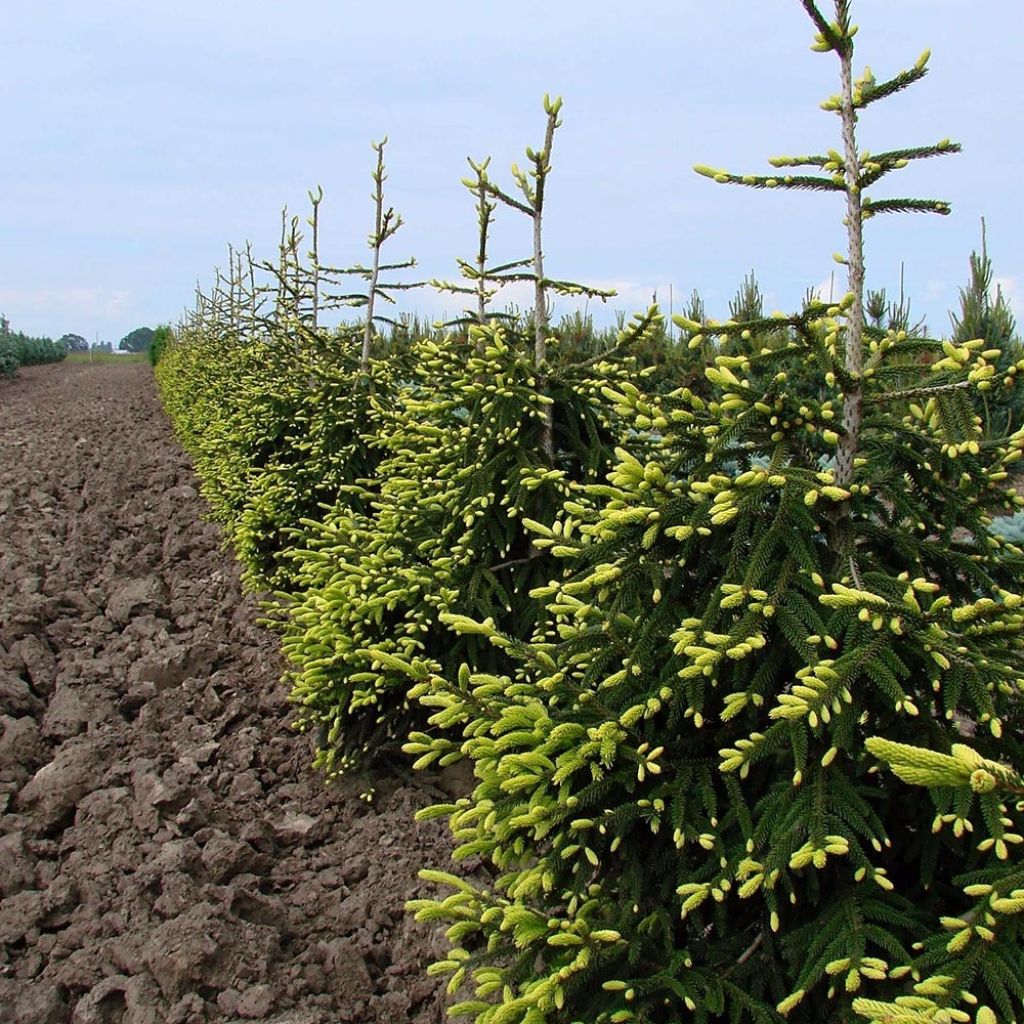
{"points": [[830, 289], [635, 297], [75, 304]]}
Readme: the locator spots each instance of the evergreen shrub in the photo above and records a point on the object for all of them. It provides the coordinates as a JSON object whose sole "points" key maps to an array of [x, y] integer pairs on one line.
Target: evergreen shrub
{"points": [[463, 475], [276, 431], [787, 581], [162, 337]]}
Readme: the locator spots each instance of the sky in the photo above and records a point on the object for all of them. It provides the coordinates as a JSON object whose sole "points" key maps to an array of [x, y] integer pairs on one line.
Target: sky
{"points": [[143, 138]]}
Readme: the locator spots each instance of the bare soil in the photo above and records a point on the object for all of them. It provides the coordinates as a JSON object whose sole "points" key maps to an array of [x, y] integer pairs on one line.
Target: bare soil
{"points": [[166, 854]]}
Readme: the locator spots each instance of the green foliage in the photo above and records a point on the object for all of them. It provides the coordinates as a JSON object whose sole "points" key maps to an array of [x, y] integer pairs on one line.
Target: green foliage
{"points": [[981, 943], [19, 349], [275, 431], [463, 472], [162, 337], [73, 343], [675, 603], [984, 315], [677, 789], [136, 341]]}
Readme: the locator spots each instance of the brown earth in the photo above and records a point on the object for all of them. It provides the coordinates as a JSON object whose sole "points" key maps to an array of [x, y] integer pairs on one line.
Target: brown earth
{"points": [[166, 854]]}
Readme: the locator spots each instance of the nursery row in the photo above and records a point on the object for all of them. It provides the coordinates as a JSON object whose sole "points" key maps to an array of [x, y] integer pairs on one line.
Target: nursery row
{"points": [[19, 349], [701, 615]]}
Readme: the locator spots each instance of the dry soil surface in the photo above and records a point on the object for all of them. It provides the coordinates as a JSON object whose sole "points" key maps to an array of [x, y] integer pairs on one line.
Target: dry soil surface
{"points": [[166, 854]]}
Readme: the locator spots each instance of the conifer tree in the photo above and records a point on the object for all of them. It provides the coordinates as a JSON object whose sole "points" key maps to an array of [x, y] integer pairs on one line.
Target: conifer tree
{"points": [[984, 315], [533, 186], [484, 277], [386, 224], [473, 449], [678, 791]]}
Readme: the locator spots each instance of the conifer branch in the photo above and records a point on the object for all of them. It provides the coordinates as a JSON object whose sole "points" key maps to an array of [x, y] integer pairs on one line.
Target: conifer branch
{"points": [[870, 207], [404, 265], [870, 92], [572, 288], [922, 392], [542, 167], [485, 214], [393, 286], [490, 272], [830, 37], [356, 299], [894, 156], [801, 161], [450, 286], [377, 239], [787, 181], [492, 190], [280, 272]]}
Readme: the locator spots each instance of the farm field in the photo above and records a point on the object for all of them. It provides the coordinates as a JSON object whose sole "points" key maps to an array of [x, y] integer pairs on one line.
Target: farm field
{"points": [[165, 854], [670, 672], [106, 357]]}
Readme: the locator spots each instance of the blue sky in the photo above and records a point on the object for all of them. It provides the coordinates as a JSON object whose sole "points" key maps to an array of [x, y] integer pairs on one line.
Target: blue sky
{"points": [[142, 138]]}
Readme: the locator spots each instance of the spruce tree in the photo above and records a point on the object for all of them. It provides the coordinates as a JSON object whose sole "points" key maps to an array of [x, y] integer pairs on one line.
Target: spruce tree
{"points": [[984, 315], [475, 447], [678, 786]]}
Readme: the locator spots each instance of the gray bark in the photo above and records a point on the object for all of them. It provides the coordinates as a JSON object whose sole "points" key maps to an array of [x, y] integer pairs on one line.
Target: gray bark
{"points": [[853, 401]]}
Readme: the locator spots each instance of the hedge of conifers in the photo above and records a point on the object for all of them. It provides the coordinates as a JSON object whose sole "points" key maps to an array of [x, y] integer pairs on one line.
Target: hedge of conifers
{"points": [[19, 349], [703, 633]]}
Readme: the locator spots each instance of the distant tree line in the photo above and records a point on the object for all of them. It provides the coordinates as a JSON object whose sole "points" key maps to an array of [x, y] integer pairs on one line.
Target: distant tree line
{"points": [[20, 349], [138, 340]]}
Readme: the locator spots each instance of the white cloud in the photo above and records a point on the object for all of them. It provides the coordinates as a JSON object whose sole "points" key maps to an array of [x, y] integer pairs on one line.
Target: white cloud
{"points": [[634, 297], [830, 289], [73, 304]]}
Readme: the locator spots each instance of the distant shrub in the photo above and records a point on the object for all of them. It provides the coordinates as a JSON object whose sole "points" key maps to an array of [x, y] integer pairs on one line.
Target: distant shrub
{"points": [[162, 336], [8, 356], [36, 351]]}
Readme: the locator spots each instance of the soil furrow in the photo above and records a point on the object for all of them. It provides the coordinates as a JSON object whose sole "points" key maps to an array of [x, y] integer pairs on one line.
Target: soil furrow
{"points": [[166, 854]]}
